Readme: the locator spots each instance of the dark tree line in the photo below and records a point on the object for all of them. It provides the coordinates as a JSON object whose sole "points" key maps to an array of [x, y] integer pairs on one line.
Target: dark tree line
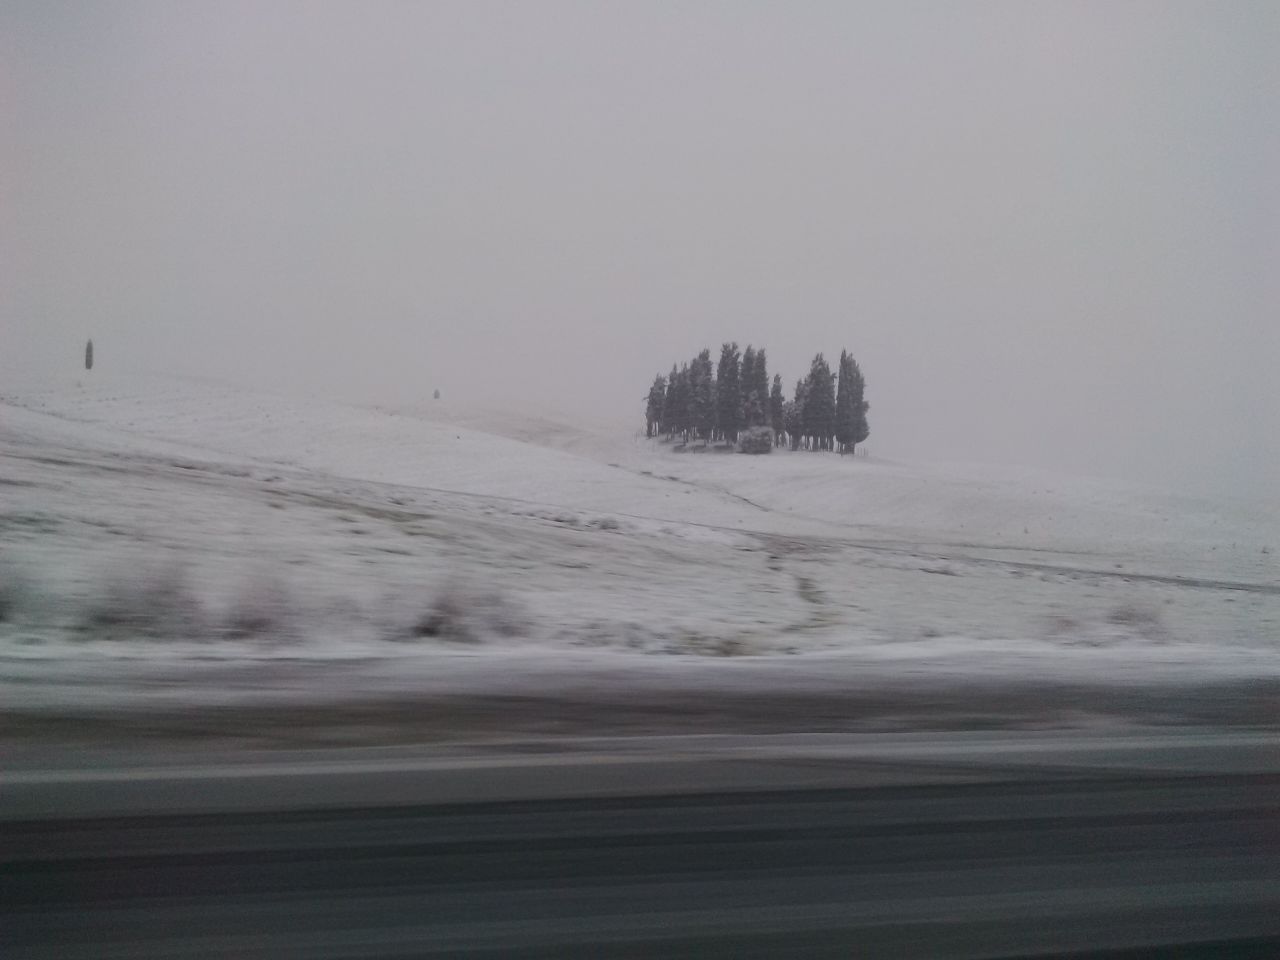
{"points": [[827, 411]]}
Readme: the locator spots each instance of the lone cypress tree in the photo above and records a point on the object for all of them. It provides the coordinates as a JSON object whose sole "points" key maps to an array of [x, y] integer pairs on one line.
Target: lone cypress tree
{"points": [[775, 409], [729, 392], [88, 355]]}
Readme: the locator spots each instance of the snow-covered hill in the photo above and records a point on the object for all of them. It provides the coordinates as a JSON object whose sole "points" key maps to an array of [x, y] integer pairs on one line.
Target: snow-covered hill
{"points": [[156, 521]]}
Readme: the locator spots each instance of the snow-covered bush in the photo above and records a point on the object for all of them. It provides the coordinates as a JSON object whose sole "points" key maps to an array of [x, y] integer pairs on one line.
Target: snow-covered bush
{"points": [[756, 440]]}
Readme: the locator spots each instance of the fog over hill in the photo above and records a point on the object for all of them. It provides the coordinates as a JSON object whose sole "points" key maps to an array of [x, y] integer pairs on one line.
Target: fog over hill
{"points": [[1047, 234]]}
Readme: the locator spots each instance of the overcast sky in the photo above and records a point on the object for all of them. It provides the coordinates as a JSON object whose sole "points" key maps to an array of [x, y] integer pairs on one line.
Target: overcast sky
{"points": [[1048, 232]]}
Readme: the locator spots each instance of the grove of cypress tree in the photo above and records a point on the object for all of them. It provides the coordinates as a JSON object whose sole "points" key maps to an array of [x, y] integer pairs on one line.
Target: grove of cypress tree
{"points": [[697, 401]]}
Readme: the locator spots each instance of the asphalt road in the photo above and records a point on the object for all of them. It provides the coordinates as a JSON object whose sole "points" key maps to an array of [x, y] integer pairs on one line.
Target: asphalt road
{"points": [[1148, 845]]}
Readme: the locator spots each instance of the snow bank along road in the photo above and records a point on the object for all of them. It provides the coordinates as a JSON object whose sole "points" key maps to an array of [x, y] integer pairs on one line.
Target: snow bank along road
{"points": [[169, 549], [1144, 845]]}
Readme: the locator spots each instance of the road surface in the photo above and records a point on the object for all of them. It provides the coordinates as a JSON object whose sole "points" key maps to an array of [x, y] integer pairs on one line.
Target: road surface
{"points": [[806, 846]]}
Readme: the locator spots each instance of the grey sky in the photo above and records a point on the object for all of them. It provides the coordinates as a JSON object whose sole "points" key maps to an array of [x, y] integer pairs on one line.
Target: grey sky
{"points": [[1047, 231]]}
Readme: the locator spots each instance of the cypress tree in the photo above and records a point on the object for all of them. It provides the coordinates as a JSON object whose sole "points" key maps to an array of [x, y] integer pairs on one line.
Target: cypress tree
{"points": [[729, 392], [702, 407], [791, 422], [861, 429], [820, 404], [844, 403], [775, 408], [88, 355], [679, 394], [851, 408], [796, 428], [668, 402], [746, 377], [654, 406], [761, 385], [713, 428]]}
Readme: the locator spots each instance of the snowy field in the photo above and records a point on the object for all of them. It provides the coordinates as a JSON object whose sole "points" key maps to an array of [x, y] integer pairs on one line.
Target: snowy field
{"points": [[175, 542]]}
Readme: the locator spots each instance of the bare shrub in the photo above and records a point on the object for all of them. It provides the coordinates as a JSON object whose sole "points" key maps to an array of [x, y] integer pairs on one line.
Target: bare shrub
{"points": [[1063, 626], [1144, 620], [155, 602], [1074, 632], [462, 614], [446, 619], [15, 591], [262, 610], [627, 635], [692, 643]]}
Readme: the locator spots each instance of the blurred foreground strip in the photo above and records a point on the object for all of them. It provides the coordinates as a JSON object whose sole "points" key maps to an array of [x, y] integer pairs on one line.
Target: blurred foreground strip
{"points": [[960, 845]]}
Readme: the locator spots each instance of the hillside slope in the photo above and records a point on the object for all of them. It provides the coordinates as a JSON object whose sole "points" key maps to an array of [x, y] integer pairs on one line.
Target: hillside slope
{"points": [[161, 531]]}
